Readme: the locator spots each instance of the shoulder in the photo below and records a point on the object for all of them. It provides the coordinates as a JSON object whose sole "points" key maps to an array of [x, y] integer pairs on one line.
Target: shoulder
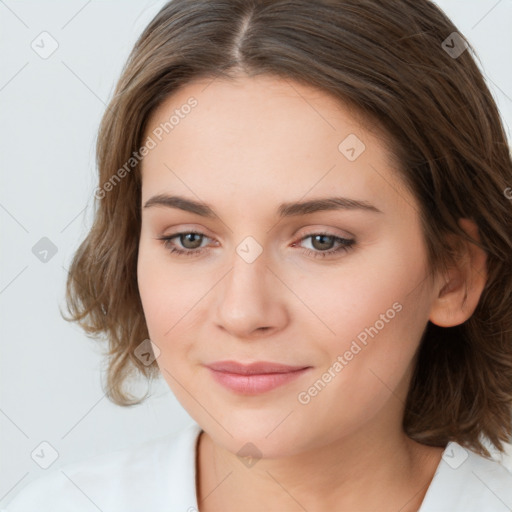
{"points": [[468, 482], [156, 475]]}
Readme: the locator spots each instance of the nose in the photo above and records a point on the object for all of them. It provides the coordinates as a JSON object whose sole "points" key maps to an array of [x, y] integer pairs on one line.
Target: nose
{"points": [[251, 300]]}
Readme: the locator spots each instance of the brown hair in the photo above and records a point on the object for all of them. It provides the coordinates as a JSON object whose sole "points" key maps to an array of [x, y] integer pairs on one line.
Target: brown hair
{"points": [[390, 61]]}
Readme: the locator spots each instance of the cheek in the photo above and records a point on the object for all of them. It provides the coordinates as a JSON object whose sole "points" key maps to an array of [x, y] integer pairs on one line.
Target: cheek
{"points": [[373, 308], [378, 322], [173, 302], [362, 291], [163, 295], [164, 299]]}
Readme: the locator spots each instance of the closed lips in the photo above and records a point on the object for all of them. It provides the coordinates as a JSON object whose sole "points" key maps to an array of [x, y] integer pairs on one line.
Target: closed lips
{"points": [[257, 368]]}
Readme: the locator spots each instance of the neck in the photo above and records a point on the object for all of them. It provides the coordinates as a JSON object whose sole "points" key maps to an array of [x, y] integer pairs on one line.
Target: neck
{"points": [[371, 469]]}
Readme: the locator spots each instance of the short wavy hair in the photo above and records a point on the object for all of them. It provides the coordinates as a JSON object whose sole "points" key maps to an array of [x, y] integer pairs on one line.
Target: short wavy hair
{"points": [[399, 64]]}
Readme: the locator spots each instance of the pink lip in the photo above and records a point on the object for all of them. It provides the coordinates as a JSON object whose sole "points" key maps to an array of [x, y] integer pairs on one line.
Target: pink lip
{"points": [[254, 378]]}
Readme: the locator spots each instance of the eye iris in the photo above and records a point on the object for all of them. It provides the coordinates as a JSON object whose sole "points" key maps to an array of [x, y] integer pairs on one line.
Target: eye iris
{"points": [[322, 244], [194, 238]]}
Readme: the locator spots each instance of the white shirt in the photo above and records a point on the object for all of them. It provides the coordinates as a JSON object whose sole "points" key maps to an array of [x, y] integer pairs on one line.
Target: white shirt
{"points": [[160, 475]]}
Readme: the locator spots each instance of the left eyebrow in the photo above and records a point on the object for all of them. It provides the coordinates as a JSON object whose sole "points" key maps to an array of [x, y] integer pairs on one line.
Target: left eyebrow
{"points": [[327, 203], [285, 210]]}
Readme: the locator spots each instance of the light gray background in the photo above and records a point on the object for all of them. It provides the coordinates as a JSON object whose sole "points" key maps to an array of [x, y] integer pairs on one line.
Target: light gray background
{"points": [[50, 110]]}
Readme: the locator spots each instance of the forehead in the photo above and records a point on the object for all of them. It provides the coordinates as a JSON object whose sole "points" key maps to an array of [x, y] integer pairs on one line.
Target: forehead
{"points": [[258, 136]]}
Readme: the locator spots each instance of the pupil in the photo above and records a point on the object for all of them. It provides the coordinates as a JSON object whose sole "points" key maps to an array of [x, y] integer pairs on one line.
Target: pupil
{"points": [[322, 238], [195, 243]]}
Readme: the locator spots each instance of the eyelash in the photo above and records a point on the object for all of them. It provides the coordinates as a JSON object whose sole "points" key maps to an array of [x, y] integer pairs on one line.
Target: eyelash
{"points": [[346, 245]]}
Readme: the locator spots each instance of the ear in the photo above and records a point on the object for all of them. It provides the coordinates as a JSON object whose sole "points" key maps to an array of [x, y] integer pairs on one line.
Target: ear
{"points": [[459, 291]]}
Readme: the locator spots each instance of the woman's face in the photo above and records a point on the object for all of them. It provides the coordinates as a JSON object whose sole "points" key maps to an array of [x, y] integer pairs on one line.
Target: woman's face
{"points": [[338, 287]]}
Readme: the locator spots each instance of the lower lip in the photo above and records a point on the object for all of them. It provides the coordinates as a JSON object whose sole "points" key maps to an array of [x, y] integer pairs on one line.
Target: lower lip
{"points": [[255, 384]]}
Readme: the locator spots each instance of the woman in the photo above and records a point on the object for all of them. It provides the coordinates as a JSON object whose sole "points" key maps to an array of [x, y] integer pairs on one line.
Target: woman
{"points": [[302, 224]]}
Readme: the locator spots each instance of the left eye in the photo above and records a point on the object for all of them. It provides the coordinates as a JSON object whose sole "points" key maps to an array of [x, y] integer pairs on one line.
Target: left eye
{"points": [[322, 244], [318, 241]]}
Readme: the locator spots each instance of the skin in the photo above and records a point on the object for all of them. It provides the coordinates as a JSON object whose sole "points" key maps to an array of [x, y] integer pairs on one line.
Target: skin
{"points": [[248, 146]]}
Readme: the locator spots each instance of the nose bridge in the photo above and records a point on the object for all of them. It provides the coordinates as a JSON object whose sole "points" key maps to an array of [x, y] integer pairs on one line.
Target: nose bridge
{"points": [[249, 269], [246, 287], [249, 299]]}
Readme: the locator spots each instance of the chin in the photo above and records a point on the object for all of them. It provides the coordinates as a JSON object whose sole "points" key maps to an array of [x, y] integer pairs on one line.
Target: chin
{"points": [[258, 438]]}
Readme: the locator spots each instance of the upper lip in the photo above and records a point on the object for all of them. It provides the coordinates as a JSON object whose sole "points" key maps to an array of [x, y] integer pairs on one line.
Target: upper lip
{"points": [[256, 368]]}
